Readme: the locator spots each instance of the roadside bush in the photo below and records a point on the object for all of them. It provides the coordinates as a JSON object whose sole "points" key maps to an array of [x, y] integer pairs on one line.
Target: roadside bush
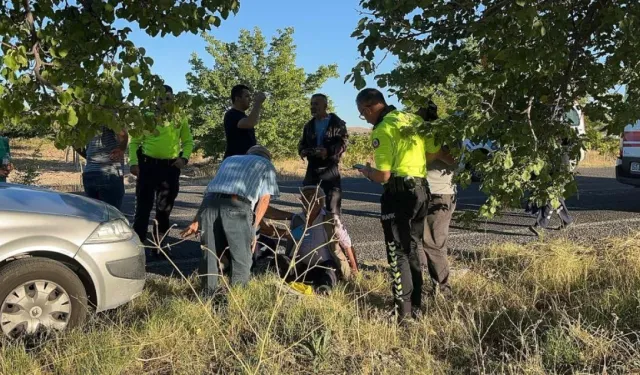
{"points": [[598, 140], [359, 150]]}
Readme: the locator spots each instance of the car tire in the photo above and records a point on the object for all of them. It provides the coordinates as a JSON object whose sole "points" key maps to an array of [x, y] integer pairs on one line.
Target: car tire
{"points": [[46, 277]]}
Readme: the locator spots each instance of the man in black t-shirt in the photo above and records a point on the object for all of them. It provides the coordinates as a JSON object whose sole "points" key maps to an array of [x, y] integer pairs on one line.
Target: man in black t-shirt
{"points": [[239, 129]]}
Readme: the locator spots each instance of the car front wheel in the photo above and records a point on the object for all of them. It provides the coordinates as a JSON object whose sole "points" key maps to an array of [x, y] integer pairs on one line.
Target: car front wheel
{"points": [[40, 294]]}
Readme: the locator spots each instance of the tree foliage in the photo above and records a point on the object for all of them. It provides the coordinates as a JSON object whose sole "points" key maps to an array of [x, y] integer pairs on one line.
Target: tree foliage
{"points": [[599, 140], [515, 67], [70, 66], [268, 67]]}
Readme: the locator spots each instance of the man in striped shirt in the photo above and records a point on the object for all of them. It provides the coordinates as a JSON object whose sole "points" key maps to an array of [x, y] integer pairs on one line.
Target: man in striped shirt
{"points": [[102, 177], [234, 203]]}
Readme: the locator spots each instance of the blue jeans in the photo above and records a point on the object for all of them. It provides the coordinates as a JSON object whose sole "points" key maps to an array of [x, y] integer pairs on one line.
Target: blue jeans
{"points": [[106, 187]]}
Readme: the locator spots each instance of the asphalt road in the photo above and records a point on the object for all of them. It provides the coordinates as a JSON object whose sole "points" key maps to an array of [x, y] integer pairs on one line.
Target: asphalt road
{"points": [[603, 208]]}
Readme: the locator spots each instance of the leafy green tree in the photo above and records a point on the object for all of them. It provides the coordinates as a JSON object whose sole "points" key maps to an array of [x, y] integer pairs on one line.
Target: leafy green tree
{"points": [[67, 66], [267, 67], [520, 65], [599, 140]]}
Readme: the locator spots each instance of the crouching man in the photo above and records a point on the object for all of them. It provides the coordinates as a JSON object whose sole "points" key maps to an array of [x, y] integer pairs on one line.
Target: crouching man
{"points": [[234, 204], [319, 251]]}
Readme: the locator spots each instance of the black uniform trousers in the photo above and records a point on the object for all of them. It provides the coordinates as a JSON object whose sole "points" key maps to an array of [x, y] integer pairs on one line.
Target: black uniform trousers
{"points": [[402, 215], [330, 183], [158, 181]]}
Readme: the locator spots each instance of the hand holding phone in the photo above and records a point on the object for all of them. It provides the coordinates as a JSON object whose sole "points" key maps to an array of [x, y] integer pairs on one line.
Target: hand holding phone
{"points": [[359, 166]]}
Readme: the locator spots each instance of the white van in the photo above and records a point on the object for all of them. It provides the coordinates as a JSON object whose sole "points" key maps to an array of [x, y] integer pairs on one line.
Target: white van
{"points": [[575, 116], [628, 163]]}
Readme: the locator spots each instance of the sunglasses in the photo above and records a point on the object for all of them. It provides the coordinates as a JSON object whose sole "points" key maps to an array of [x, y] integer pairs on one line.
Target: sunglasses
{"points": [[362, 114]]}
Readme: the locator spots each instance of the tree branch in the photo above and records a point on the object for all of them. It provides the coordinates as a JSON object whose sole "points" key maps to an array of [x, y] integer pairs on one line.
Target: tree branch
{"points": [[493, 9], [9, 45], [490, 105], [533, 133], [35, 49]]}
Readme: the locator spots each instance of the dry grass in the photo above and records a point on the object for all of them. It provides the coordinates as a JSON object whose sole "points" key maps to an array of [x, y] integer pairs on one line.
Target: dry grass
{"points": [[55, 167], [57, 170], [536, 309], [593, 159]]}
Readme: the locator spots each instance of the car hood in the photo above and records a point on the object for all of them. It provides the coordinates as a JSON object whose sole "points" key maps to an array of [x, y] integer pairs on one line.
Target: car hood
{"points": [[20, 198]]}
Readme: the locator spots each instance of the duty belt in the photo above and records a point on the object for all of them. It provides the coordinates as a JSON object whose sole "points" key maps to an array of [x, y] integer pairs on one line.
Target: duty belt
{"points": [[145, 159], [401, 184]]}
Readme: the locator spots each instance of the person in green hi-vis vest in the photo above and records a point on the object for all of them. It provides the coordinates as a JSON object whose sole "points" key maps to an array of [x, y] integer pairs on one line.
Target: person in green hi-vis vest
{"points": [[156, 160], [5, 159]]}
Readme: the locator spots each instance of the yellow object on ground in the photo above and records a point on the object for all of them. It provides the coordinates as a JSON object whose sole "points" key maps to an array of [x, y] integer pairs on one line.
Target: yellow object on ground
{"points": [[302, 288]]}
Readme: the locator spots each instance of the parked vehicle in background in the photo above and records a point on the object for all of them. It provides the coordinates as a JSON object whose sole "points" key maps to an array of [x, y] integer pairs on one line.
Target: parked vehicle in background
{"points": [[58, 254], [575, 117], [487, 148], [628, 162]]}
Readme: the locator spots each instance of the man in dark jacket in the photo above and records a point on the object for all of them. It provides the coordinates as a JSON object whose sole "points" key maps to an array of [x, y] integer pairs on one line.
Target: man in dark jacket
{"points": [[324, 140]]}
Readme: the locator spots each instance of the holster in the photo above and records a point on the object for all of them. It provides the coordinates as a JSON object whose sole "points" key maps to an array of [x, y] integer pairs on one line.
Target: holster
{"points": [[404, 184]]}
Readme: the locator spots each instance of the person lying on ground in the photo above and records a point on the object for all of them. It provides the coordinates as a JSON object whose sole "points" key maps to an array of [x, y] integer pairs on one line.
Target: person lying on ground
{"points": [[319, 252]]}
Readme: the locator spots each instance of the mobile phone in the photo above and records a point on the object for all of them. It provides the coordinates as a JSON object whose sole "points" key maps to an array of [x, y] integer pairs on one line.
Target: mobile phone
{"points": [[358, 166], [297, 233]]}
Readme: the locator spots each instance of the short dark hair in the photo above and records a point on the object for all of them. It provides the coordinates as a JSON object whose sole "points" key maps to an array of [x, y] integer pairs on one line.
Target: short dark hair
{"points": [[323, 96], [370, 96], [237, 90], [168, 88]]}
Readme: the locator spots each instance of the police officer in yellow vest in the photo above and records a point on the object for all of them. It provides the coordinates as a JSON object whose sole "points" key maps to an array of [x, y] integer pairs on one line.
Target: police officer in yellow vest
{"points": [[401, 167]]}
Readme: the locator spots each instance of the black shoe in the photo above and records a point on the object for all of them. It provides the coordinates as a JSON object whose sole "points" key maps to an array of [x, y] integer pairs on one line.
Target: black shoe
{"points": [[404, 311]]}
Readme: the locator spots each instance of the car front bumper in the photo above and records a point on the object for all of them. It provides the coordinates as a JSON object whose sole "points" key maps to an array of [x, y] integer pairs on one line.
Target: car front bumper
{"points": [[117, 270]]}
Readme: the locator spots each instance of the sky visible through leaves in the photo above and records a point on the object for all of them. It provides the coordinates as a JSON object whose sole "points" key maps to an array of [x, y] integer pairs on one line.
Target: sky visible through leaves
{"points": [[322, 35]]}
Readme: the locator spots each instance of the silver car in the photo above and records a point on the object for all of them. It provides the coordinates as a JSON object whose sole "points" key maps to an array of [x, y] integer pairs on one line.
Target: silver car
{"points": [[59, 255]]}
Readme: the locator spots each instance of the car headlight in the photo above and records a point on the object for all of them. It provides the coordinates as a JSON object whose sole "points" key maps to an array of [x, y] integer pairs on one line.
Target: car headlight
{"points": [[111, 231]]}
